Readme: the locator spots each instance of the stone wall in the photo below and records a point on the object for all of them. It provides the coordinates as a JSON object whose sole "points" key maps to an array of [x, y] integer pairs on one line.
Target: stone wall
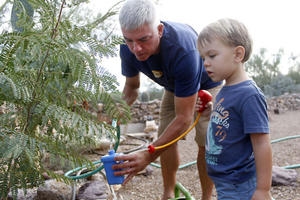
{"points": [[284, 103], [142, 111]]}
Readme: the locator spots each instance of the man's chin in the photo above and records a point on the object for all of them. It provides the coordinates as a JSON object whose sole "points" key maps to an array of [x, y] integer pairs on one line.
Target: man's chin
{"points": [[142, 58]]}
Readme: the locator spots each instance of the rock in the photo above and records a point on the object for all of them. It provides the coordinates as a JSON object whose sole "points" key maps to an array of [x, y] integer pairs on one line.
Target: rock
{"points": [[147, 171], [143, 111], [281, 176], [96, 177], [93, 190], [46, 176], [59, 172], [150, 126], [276, 111], [30, 194], [141, 135], [53, 190]]}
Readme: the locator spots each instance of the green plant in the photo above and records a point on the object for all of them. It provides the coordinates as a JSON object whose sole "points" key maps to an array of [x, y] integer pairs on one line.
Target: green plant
{"points": [[279, 85], [49, 85], [153, 91], [144, 97], [294, 69], [261, 69]]}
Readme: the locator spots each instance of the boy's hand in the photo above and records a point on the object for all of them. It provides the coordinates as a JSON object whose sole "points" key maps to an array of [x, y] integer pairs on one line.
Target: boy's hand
{"points": [[262, 194], [204, 103], [206, 109]]}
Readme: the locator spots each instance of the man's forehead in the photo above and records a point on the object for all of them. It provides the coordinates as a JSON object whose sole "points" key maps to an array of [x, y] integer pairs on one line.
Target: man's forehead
{"points": [[142, 30], [137, 35]]}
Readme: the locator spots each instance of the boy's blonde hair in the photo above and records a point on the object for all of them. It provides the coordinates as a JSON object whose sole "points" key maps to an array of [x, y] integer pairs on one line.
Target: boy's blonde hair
{"points": [[231, 32]]}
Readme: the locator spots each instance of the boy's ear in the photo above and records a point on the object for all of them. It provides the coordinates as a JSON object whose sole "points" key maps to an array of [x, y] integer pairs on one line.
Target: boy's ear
{"points": [[239, 53]]}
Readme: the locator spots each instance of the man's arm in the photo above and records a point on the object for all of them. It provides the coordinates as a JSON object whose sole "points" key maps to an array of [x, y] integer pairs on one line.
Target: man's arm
{"points": [[184, 110], [263, 161], [131, 89], [137, 161]]}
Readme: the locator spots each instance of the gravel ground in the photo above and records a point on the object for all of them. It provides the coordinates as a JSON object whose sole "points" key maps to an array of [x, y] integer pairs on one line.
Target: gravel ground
{"points": [[284, 153]]}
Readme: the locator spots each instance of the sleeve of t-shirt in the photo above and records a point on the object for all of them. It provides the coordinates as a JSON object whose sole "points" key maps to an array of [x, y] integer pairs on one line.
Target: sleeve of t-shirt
{"points": [[127, 62], [187, 73], [255, 115]]}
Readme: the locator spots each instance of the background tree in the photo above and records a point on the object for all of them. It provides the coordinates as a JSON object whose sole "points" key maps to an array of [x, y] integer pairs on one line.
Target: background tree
{"points": [[268, 76], [279, 85], [294, 70], [49, 84], [261, 70], [144, 96], [151, 89]]}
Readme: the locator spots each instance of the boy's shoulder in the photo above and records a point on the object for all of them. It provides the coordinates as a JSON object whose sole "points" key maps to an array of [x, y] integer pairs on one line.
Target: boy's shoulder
{"points": [[245, 88], [240, 93]]}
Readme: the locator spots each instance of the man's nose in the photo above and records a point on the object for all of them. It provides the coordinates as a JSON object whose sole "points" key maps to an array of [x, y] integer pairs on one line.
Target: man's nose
{"points": [[137, 47]]}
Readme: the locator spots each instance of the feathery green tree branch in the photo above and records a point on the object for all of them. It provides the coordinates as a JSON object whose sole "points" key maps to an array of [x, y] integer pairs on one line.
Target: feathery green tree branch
{"points": [[49, 68]]}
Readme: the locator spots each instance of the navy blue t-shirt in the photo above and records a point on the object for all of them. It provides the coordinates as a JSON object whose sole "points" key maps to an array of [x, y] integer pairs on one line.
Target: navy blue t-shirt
{"points": [[178, 66], [239, 110]]}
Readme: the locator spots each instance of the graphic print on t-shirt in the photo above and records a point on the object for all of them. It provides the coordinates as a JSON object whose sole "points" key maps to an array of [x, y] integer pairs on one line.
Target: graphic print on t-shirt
{"points": [[219, 119]]}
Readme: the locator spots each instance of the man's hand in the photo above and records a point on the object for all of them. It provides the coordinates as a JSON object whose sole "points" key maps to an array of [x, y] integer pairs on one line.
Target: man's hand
{"points": [[133, 163]]}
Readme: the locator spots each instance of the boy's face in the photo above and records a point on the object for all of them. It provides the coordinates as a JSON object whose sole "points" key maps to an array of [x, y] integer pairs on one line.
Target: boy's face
{"points": [[219, 61], [144, 41]]}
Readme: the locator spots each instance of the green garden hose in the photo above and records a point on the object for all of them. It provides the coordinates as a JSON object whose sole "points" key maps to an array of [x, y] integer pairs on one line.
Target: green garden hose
{"points": [[283, 139], [178, 188], [272, 142]]}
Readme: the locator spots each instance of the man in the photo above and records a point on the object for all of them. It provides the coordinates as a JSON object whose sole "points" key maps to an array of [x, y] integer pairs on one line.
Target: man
{"points": [[167, 53]]}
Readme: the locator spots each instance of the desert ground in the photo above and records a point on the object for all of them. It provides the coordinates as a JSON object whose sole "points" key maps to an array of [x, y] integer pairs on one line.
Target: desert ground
{"points": [[285, 153]]}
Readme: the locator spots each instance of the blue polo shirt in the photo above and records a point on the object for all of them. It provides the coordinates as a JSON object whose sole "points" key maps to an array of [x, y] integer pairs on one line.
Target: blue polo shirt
{"points": [[178, 66]]}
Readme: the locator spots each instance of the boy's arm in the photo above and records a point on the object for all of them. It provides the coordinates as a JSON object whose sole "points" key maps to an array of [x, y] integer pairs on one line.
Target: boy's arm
{"points": [[263, 161]]}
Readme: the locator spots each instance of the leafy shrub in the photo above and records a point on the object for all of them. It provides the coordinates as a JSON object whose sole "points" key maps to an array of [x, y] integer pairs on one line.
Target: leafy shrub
{"points": [[50, 84]]}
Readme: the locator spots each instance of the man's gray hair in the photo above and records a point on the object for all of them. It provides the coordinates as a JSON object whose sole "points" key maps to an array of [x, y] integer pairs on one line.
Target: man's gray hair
{"points": [[136, 13]]}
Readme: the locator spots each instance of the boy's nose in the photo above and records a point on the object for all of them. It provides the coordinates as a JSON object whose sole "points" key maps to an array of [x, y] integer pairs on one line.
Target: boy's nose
{"points": [[206, 63]]}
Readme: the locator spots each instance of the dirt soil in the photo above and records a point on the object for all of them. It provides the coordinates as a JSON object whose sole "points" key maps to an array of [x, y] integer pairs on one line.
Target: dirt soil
{"points": [[284, 153]]}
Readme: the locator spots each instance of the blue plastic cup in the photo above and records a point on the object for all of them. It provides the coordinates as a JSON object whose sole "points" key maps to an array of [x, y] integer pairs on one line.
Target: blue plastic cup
{"points": [[108, 161]]}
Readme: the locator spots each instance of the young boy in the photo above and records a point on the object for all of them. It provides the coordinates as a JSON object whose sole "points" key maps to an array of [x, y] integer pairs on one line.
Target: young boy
{"points": [[238, 150]]}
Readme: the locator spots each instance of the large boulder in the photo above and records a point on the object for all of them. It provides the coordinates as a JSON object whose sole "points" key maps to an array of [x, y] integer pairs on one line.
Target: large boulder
{"points": [[281, 176]]}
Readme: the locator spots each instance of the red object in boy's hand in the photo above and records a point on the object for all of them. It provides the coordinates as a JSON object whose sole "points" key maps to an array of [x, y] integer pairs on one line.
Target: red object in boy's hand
{"points": [[205, 97]]}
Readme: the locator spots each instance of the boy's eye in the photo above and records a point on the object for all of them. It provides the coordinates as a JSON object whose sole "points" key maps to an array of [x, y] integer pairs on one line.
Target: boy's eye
{"points": [[212, 56]]}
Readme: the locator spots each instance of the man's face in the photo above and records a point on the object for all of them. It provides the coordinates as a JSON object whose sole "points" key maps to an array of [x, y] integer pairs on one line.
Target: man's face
{"points": [[144, 41]]}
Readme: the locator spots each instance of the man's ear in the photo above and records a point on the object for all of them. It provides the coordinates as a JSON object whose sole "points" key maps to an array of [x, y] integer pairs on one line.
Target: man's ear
{"points": [[160, 29], [239, 53]]}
